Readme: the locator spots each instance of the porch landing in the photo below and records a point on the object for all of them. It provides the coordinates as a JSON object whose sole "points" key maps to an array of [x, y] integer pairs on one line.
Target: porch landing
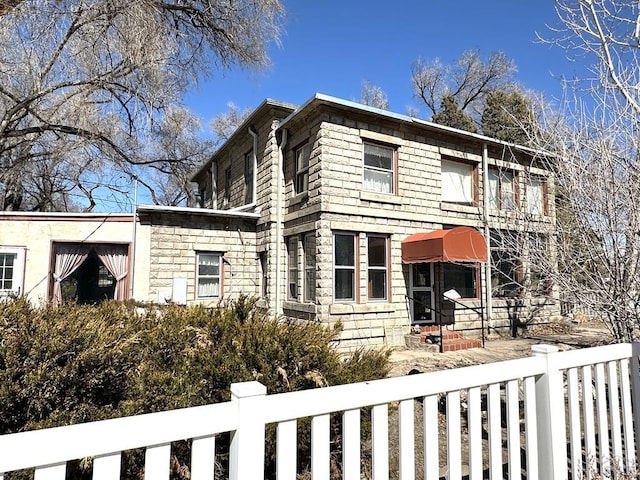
{"points": [[452, 341]]}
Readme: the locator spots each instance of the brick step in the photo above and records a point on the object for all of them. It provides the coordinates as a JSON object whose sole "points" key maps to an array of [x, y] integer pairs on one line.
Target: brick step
{"points": [[453, 345], [446, 334]]}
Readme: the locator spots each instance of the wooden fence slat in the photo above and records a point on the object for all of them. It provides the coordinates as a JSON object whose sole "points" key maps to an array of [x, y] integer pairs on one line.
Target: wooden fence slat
{"points": [[286, 450], [531, 427], [474, 420], [406, 455], [380, 441], [603, 421], [575, 434], [494, 425], [107, 467], [51, 472], [627, 418], [157, 462], [614, 412], [454, 437], [320, 447], [351, 445], [431, 437], [203, 458], [512, 392], [590, 449]]}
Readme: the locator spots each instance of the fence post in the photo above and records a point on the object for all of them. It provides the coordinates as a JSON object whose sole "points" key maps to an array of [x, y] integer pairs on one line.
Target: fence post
{"points": [[246, 456], [550, 416]]}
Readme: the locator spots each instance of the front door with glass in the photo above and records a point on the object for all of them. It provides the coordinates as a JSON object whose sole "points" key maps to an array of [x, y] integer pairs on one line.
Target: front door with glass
{"points": [[422, 293]]}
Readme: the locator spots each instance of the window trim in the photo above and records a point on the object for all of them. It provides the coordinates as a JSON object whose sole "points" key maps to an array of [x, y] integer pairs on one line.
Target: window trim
{"points": [[393, 170], [354, 268], [474, 180], [19, 267], [386, 269], [219, 276]]}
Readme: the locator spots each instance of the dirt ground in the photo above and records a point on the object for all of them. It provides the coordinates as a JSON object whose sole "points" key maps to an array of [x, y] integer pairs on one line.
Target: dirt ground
{"points": [[565, 336]]}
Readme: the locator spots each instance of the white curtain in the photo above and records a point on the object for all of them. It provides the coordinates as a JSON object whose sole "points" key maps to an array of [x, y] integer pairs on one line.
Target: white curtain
{"points": [[534, 196], [115, 258], [67, 259], [457, 182]]}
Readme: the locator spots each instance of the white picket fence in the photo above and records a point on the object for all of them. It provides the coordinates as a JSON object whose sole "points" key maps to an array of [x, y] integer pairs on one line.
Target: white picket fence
{"points": [[554, 415]]}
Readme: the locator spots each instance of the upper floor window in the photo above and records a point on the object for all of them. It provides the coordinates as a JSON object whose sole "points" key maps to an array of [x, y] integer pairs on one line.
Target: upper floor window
{"points": [[377, 268], [379, 169], [502, 192], [11, 270], [458, 182], [249, 173], [344, 266], [208, 275], [302, 168], [536, 204], [227, 186]]}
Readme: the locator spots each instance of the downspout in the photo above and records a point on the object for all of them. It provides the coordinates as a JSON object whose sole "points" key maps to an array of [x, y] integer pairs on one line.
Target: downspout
{"points": [[280, 173], [254, 134], [487, 233]]}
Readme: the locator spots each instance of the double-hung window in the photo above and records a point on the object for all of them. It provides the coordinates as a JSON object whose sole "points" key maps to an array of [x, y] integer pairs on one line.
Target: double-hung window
{"points": [[208, 275], [502, 193], [344, 268], [535, 196], [302, 168], [377, 268], [458, 182], [379, 165], [11, 270], [294, 275], [249, 172], [302, 276], [310, 267]]}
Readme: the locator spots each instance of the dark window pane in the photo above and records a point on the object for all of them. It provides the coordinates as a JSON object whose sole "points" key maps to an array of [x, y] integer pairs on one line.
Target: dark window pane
{"points": [[461, 278], [378, 284], [421, 275], [377, 251], [344, 284], [421, 306], [344, 253]]}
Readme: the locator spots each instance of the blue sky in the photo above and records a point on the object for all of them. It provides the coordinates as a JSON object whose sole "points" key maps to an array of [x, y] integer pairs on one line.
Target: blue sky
{"points": [[331, 46]]}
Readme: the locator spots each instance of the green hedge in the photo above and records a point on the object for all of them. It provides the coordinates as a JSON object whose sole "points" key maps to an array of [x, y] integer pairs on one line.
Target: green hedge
{"points": [[71, 364]]}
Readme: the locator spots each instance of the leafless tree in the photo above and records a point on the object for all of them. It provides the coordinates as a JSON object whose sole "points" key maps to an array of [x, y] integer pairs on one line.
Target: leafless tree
{"points": [[595, 141], [226, 123], [468, 81], [86, 80], [374, 96]]}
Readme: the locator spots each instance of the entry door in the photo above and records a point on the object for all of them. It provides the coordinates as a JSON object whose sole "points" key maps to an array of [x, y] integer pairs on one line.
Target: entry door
{"points": [[422, 293]]}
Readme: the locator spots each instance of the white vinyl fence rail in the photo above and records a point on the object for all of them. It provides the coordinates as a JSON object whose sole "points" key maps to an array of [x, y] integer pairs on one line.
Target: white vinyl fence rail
{"points": [[554, 415]]}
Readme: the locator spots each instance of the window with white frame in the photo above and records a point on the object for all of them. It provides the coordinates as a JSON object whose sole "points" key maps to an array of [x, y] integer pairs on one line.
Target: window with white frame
{"points": [[249, 172], [502, 193], [344, 267], [293, 290], [310, 267], [379, 166], [535, 196], [377, 267], [11, 270], [457, 182], [302, 168], [208, 275]]}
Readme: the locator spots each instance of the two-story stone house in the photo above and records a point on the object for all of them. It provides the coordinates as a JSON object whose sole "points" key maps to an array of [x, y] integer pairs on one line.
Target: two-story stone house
{"points": [[357, 210]]}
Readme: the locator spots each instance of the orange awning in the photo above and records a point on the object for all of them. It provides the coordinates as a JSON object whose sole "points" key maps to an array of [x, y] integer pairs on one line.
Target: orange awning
{"points": [[460, 244]]}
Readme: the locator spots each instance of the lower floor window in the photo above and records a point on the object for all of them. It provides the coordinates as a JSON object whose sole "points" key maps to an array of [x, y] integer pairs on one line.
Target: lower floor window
{"points": [[344, 273], [461, 278], [504, 274], [11, 270], [208, 275]]}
